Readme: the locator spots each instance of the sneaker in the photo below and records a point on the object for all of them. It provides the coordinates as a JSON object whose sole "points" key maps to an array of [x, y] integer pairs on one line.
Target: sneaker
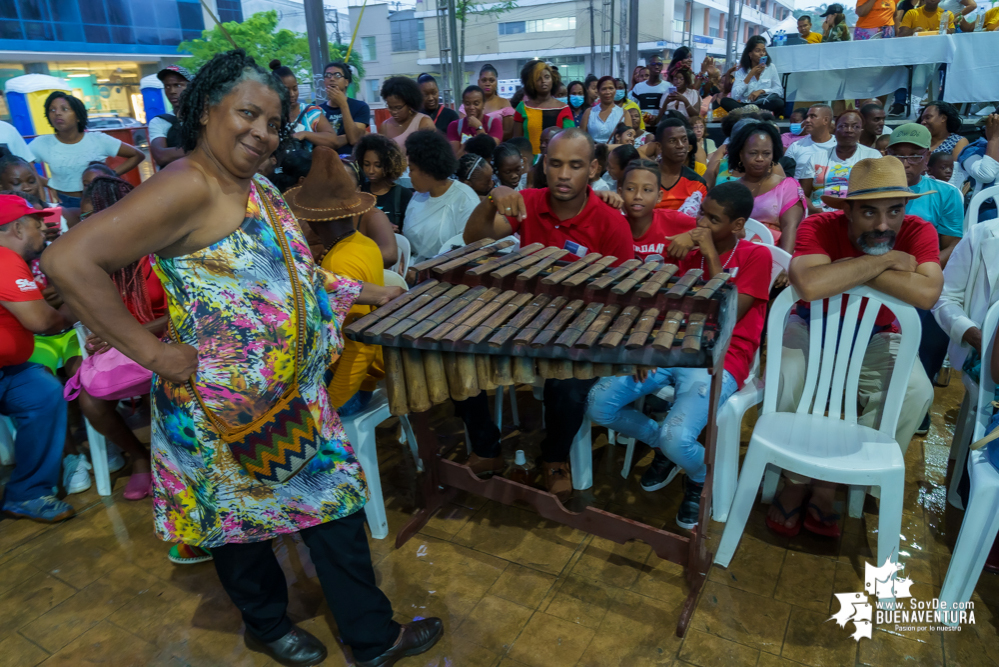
{"points": [[47, 509], [75, 473], [115, 460], [659, 474], [896, 110], [690, 506], [924, 427]]}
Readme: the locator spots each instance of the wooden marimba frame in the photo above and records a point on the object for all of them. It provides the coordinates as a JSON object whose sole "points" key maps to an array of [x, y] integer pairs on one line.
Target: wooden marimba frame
{"points": [[477, 320]]}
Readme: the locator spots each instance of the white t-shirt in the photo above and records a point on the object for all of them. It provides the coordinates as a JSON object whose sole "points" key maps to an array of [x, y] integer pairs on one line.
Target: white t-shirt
{"points": [[158, 128], [801, 153], [431, 221], [832, 175], [67, 162], [15, 142]]}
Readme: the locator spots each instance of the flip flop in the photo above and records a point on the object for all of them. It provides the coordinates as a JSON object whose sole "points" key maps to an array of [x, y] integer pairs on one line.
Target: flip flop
{"points": [[186, 554], [827, 525], [780, 528]]}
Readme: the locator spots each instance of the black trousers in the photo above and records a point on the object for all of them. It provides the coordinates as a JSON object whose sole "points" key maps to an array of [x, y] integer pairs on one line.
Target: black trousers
{"points": [[772, 103], [565, 406], [252, 577], [932, 345]]}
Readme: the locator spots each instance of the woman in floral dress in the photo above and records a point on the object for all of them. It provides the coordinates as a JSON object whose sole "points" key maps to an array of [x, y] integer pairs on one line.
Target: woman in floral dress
{"points": [[223, 241]]}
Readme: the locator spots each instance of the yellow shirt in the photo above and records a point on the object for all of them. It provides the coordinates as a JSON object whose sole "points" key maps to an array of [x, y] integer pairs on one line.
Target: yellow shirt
{"points": [[814, 38], [700, 168], [360, 366], [991, 19], [630, 104], [920, 18]]}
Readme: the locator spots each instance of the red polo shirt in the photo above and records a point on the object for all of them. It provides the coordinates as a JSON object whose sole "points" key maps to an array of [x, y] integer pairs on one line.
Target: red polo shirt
{"points": [[597, 228], [16, 285]]}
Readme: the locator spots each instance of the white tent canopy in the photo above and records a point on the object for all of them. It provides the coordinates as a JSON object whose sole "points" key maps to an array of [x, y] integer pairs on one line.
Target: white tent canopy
{"points": [[32, 83]]}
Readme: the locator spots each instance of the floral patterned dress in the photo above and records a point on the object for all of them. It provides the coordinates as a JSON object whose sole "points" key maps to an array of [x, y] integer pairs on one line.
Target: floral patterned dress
{"points": [[234, 302]]}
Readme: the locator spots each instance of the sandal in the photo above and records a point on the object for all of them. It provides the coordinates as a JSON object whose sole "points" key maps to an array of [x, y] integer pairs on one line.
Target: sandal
{"points": [[779, 527], [186, 554], [827, 525]]}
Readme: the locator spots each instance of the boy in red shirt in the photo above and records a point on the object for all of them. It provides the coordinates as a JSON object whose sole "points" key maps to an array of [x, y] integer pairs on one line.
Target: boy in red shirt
{"points": [[653, 229], [719, 250], [28, 393]]}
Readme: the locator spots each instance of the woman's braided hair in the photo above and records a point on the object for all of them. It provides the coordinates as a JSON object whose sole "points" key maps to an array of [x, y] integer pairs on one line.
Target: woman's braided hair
{"points": [[104, 192], [213, 82]]}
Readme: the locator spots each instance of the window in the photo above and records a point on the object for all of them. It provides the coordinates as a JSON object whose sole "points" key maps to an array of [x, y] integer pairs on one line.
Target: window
{"points": [[368, 51], [538, 25], [407, 34], [713, 32], [678, 25], [230, 10], [570, 68], [373, 92], [141, 22]]}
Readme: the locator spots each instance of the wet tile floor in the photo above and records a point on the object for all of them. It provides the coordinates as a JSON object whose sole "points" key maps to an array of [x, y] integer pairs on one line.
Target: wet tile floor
{"points": [[512, 588]]}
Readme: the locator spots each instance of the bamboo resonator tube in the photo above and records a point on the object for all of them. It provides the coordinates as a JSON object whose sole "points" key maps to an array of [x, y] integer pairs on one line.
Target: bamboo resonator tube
{"points": [[458, 317]]}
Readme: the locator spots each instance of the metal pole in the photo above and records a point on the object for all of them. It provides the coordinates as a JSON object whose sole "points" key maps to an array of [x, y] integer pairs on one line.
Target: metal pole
{"points": [[593, 42], [730, 34], [457, 62], [319, 50], [624, 38], [610, 69], [632, 39]]}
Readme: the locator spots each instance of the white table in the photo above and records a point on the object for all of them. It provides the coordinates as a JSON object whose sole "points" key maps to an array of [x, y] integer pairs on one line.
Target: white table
{"points": [[861, 69]]}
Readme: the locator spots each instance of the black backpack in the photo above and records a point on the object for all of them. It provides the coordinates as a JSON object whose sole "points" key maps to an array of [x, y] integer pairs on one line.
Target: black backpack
{"points": [[173, 134]]}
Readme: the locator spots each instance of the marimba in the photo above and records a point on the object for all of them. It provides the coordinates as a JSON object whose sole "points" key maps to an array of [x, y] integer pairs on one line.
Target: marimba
{"points": [[477, 319]]}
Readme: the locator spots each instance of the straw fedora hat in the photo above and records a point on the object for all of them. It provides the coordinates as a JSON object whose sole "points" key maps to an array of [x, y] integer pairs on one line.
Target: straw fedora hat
{"points": [[875, 178], [328, 192]]}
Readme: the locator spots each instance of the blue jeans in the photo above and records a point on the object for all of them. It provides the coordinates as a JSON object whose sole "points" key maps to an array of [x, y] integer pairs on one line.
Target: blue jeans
{"points": [[355, 404], [611, 405], [67, 201], [32, 397]]}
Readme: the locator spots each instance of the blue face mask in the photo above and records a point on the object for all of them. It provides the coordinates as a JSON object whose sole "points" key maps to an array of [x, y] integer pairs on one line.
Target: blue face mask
{"points": [[563, 100], [795, 128], [618, 95], [576, 100]]}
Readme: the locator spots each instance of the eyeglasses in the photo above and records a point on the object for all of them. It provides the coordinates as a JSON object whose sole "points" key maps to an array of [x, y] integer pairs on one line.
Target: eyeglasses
{"points": [[911, 159], [333, 75]]}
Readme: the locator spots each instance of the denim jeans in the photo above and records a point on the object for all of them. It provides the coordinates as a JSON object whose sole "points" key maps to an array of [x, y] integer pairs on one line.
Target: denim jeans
{"points": [[32, 397], [611, 405], [355, 403]]}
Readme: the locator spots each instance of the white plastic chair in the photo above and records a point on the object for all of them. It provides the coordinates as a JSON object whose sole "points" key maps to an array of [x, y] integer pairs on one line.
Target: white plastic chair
{"points": [[405, 255], [393, 279], [98, 445], [963, 430], [757, 230], [360, 429], [831, 447], [456, 241], [981, 520], [7, 432], [971, 215]]}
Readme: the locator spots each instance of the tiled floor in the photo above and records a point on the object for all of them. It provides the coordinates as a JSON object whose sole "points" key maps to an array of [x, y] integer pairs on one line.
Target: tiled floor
{"points": [[513, 589]]}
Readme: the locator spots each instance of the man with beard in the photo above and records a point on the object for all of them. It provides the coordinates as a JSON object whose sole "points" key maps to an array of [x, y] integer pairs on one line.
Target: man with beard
{"points": [[869, 241], [567, 214], [28, 392]]}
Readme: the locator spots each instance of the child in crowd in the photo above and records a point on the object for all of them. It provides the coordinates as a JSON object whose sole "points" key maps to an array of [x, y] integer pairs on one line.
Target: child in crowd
{"points": [[475, 172], [97, 169], [508, 166], [623, 134], [483, 145], [617, 160], [652, 228], [881, 144], [941, 166], [724, 211], [597, 181], [381, 162]]}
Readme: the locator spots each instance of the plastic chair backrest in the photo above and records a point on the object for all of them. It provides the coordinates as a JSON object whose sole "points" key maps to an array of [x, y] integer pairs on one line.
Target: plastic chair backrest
{"points": [[833, 370], [986, 384], [757, 230], [393, 279], [405, 255], [971, 215], [781, 262], [452, 243]]}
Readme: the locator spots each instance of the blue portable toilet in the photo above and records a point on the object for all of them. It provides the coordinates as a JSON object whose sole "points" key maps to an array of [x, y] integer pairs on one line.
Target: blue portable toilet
{"points": [[26, 101], [153, 98]]}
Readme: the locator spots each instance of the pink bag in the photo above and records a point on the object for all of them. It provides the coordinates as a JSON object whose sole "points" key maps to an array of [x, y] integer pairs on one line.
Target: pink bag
{"points": [[109, 375]]}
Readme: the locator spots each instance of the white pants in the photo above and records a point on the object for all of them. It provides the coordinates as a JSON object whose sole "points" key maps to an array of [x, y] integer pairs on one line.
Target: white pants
{"points": [[875, 374]]}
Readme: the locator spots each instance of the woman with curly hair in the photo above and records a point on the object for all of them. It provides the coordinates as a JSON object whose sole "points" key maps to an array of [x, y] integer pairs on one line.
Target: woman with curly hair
{"points": [[476, 172], [404, 100], [539, 110], [382, 164], [70, 149], [254, 326]]}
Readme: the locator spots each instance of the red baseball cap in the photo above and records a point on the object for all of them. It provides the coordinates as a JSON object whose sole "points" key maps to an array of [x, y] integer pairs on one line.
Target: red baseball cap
{"points": [[13, 207]]}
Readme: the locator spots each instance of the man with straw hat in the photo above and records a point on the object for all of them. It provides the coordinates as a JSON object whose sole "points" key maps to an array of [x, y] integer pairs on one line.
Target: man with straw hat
{"points": [[325, 203], [869, 241]]}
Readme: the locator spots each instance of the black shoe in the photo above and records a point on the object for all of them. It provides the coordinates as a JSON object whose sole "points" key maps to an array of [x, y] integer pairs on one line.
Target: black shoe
{"points": [[690, 507], [896, 110], [417, 637], [660, 473], [924, 427], [296, 649]]}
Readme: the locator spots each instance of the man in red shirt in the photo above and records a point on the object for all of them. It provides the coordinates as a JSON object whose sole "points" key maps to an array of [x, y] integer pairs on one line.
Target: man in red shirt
{"points": [[718, 250], [869, 241], [567, 214], [28, 393]]}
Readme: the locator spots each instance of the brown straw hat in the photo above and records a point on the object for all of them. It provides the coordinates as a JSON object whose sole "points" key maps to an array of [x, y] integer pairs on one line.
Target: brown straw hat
{"points": [[328, 192], [875, 178]]}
